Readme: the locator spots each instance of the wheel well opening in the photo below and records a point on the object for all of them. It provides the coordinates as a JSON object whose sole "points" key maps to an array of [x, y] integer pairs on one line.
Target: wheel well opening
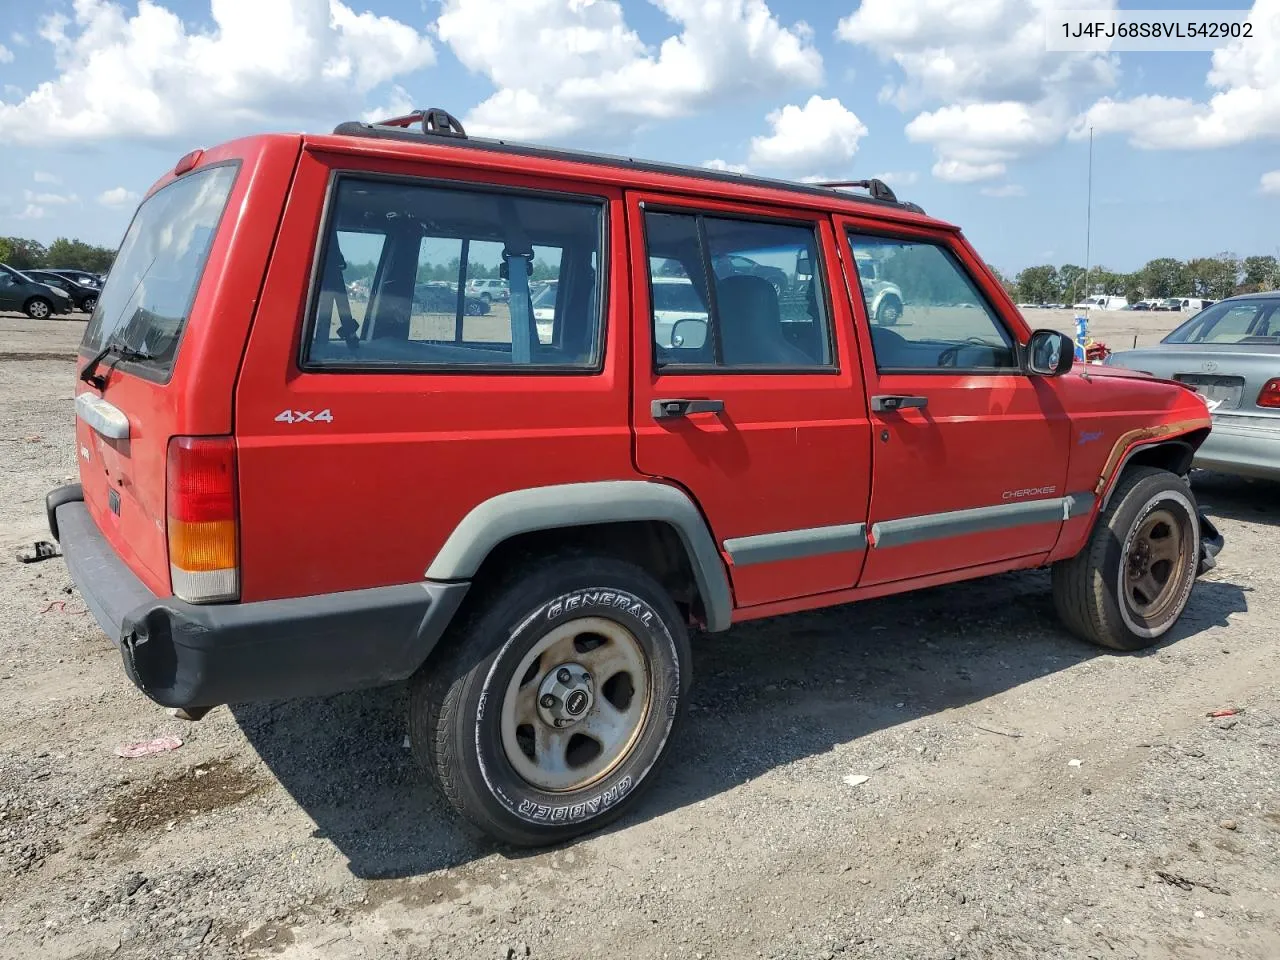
{"points": [[1172, 455], [652, 545]]}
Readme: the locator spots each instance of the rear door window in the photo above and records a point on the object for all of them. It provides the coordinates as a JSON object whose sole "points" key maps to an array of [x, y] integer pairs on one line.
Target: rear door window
{"points": [[147, 298], [416, 275]]}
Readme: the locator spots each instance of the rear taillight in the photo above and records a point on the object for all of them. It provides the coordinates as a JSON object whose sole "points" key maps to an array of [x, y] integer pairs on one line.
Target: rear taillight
{"points": [[1269, 396], [203, 519]]}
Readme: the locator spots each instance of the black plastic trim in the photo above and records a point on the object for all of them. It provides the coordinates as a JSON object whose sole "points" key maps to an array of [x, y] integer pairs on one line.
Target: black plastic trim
{"points": [[71, 493], [187, 655]]}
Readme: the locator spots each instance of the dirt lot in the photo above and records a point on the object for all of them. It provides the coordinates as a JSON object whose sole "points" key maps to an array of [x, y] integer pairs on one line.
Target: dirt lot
{"points": [[1028, 796]]}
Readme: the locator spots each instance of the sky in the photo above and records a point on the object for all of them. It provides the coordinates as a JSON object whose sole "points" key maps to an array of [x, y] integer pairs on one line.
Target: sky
{"points": [[960, 106]]}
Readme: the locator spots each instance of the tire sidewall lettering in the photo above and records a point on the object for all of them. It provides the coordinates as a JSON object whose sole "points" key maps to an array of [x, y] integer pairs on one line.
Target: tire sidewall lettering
{"points": [[638, 615]]}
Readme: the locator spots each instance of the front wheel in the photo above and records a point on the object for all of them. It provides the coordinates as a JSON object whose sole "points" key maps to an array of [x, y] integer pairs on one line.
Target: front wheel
{"points": [[88, 304], [557, 700], [1131, 582], [889, 312], [37, 308]]}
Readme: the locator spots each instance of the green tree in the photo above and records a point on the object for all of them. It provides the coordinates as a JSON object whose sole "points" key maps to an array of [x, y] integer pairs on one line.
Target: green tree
{"points": [[24, 254], [1260, 273], [1071, 282], [1133, 288], [78, 255], [1164, 277], [1214, 277], [1038, 284]]}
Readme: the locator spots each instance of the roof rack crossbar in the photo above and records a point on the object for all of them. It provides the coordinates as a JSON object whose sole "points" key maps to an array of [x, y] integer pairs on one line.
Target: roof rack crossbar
{"points": [[434, 121], [876, 188]]}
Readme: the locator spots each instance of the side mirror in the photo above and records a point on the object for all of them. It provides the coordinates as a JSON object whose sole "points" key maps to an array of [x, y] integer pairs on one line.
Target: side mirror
{"points": [[1050, 353], [689, 333]]}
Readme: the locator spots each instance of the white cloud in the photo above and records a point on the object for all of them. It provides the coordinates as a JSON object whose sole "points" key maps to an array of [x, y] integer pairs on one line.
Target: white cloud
{"points": [[31, 212], [117, 197], [149, 75], [19, 39], [1004, 190], [1246, 106], [564, 66], [976, 141], [1270, 182], [718, 164], [49, 199], [6, 55], [985, 61], [821, 135], [897, 178], [960, 171], [41, 176]]}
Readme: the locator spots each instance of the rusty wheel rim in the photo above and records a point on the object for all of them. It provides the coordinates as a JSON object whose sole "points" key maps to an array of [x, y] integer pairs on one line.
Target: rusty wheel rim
{"points": [[576, 705], [1154, 565]]}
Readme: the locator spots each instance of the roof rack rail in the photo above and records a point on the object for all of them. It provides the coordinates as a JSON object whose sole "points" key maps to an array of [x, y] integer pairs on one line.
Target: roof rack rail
{"points": [[878, 189], [434, 121]]}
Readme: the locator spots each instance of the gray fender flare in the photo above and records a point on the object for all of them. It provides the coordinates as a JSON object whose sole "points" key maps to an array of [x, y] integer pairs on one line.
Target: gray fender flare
{"points": [[578, 504]]}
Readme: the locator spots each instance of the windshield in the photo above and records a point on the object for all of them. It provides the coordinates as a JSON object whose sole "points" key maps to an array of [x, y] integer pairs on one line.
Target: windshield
{"points": [[546, 297], [148, 293], [1242, 321]]}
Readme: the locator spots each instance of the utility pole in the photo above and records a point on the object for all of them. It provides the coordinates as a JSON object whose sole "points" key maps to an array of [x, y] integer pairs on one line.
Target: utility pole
{"points": [[1088, 218]]}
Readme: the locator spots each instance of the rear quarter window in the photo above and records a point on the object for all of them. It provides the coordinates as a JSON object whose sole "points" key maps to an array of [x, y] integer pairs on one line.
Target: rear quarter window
{"points": [[147, 298], [415, 275]]}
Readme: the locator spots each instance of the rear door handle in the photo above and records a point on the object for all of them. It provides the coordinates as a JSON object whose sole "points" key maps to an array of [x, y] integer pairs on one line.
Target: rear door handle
{"points": [[883, 403], [667, 409]]}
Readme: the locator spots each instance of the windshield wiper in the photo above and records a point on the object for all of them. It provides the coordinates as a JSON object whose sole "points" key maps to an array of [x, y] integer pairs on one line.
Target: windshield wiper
{"points": [[112, 348]]}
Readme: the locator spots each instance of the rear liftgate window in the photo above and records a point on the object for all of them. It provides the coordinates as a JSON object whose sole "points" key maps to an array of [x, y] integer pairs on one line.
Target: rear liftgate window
{"points": [[148, 294], [425, 276]]}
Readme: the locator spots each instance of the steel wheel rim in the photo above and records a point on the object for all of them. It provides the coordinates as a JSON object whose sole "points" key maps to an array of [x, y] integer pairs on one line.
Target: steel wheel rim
{"points": [[888, 314], [613, 701], [1154, 564]]}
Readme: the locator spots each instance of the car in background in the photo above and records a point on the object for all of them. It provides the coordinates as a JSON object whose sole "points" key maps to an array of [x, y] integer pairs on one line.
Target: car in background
{"points": [[437, 296], [883, 298], [37, 300], [1229, 353], [674, 301], [84, 277], [84, 296], [1101, 302], [490, 291], [544, 308], [737, 265]]}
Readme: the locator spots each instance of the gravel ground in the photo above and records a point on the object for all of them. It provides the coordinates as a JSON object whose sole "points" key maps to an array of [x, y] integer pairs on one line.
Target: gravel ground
{"points": [[1027, 796]]}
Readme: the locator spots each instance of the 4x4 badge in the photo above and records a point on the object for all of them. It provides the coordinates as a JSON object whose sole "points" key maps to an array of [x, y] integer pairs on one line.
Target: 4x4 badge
{"points": [[304, 416]]}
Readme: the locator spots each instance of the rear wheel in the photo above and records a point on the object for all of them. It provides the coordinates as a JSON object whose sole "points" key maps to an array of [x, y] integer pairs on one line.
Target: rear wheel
{"points": [[557, 701], [38, 308], [88, 303], [1131, 582]]}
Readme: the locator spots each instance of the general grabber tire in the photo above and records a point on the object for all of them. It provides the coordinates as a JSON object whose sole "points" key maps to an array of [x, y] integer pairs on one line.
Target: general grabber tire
{"points": [[556, 700], [1133, 578]]}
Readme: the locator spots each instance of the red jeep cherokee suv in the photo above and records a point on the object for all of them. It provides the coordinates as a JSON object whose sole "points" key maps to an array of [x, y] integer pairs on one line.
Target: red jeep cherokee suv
{"points": [[307, 467]]}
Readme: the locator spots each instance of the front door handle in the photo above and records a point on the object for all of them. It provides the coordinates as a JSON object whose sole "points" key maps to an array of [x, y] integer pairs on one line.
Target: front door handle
{"points": [[882, 403], [667, 409]]}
